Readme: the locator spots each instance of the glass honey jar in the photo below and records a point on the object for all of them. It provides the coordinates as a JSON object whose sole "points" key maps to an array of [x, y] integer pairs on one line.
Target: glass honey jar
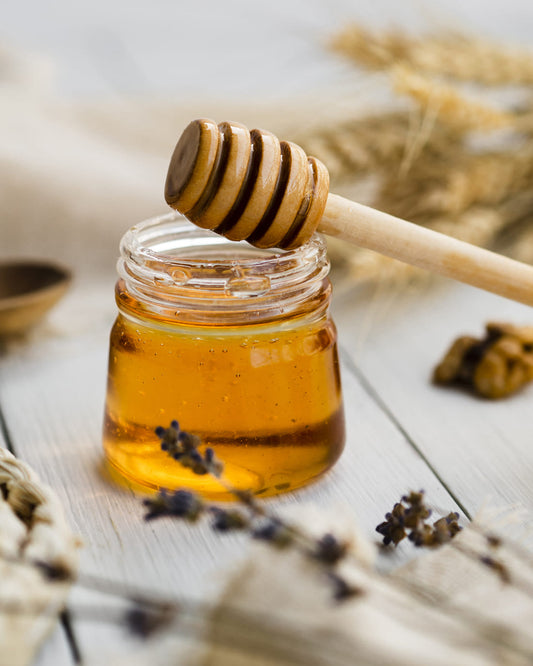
{"points": [[235, 343]]}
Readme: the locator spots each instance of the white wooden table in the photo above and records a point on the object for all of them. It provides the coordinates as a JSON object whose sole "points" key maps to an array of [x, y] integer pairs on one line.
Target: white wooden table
{"points": [[403, 433]]}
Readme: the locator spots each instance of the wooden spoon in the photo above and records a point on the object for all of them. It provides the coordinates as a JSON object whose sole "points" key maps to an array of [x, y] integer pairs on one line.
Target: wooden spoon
{"points": [[250, 186], [28, 289]]}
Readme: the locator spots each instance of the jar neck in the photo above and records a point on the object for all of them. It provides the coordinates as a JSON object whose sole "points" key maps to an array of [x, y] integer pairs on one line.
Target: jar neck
{"points": [[176, 272]]}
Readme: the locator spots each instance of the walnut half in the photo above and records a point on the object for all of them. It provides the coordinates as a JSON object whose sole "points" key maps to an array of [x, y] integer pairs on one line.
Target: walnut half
{"points": [[495, 366]]}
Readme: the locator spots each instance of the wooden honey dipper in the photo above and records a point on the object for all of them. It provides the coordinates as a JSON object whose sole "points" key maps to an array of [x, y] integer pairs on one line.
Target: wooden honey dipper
{"points": [[250, 186]]}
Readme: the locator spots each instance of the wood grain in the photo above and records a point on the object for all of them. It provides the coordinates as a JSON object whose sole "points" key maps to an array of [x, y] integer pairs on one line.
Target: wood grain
{"points": [[52, 392], [427, 249], [400, 428], [481, 449]]}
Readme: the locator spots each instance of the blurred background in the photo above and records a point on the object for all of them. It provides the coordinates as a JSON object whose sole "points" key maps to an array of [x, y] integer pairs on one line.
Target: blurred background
{"points": [[94, 96], [174, 49]]}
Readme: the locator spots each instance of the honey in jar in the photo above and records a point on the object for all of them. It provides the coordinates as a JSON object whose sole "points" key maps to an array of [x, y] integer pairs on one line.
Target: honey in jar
{"points": [[234, 342]]}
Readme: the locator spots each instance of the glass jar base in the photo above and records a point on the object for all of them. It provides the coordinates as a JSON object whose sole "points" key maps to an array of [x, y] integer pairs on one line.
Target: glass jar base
{"points": [[209, 489], [265, 466]]}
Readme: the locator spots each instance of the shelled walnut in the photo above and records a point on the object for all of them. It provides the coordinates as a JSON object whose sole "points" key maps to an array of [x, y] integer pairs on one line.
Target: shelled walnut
{"points": [[493, 367]]}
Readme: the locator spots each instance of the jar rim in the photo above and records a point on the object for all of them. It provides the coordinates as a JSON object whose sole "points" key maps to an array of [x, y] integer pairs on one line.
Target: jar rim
{"points": [[141, 237], [167, 260]]}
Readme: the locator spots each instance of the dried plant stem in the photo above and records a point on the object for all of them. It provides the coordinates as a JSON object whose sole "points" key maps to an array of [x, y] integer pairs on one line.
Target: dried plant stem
{"points": [[370, 143], [523, 119], [447, 103], [442, 609], [440, 163], [360, 266], [493, 632], [516, 236], [432, 188], [477, 225], [184, 448], [357, 146], [237, 628], [461, 57]]}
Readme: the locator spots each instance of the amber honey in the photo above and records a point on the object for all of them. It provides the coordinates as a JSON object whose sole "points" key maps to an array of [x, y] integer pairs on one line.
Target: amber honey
{"points": [[238, 346]]}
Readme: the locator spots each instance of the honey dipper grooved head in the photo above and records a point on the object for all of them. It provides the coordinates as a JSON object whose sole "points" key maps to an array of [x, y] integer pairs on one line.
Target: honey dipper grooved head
{"points": [[246, 185]]}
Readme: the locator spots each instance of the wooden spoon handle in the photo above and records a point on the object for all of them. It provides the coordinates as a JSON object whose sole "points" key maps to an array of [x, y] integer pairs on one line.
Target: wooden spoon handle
{"points": [[249, 185], [427, 249]]}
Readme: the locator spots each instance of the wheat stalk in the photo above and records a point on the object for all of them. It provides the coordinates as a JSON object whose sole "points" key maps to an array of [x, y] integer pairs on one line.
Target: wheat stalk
{"points": [[433, 188], [449, 105], [371, 144], [460, 57], [421, 163]]}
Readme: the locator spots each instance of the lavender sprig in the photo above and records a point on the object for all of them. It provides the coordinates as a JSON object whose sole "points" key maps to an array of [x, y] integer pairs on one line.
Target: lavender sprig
{"points": [[408, 518], [329, 549], [225, 520], [181, 504], [275, 532], [145, 621], [183, 447]]}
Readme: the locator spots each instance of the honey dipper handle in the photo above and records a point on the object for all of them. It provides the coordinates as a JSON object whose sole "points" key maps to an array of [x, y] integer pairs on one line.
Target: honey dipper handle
{"points": [[433, 251]]}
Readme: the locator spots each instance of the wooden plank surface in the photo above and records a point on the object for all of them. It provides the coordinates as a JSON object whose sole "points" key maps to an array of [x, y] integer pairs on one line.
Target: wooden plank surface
{"points": [[52, 393], [402, 432], [481, 449], [55, 651]]}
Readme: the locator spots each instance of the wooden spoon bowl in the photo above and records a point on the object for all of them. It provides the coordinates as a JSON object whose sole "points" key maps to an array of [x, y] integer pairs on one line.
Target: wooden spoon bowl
{"points": [[28, 289]]}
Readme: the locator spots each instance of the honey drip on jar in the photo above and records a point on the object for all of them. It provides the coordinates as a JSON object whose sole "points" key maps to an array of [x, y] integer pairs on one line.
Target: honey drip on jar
{"points": [[267, 401]]}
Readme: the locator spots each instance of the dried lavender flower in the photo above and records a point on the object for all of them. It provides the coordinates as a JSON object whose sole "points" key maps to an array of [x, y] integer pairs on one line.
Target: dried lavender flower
{"points": [[410, 521], [417, 510], [493, 540], [342, 590], [275, 532], [54, 572], [329, 549], [444, 532], [497, 566], [183, 447], [403, 517], [393, 527], [180, 504], [225, 520], [145, 621]]}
